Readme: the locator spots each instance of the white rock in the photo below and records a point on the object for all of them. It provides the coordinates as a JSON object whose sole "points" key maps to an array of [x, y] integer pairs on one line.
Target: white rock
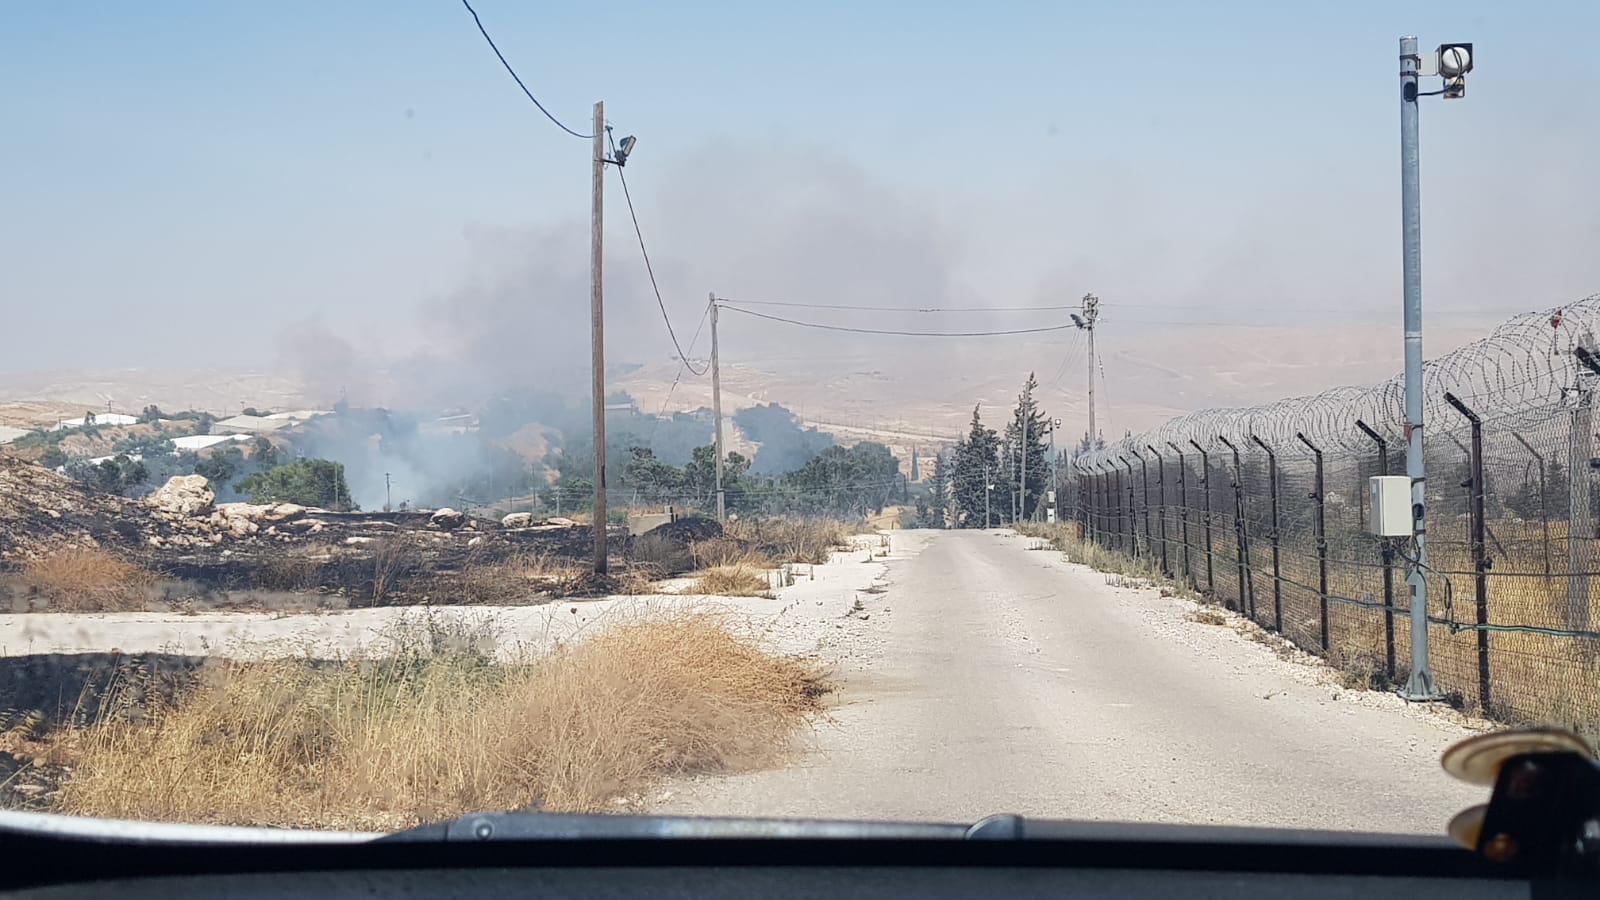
{"points": [[183, 495], [561, 521], [447, 519], [517, 520], [283, 511]]}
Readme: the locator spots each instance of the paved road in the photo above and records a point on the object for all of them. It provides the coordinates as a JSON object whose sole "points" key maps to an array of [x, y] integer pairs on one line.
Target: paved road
{"points": [[995, 678]]}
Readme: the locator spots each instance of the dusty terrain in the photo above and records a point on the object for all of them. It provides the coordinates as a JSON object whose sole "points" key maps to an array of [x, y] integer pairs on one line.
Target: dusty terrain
{"points": [[993, 678]]}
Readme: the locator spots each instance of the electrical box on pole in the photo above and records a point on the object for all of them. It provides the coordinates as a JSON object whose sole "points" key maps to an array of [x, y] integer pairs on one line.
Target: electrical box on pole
{"points": [[1390, 505]]}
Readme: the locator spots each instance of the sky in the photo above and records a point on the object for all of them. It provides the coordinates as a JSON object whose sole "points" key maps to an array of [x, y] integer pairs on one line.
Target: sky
{"points": [[283, 184]]}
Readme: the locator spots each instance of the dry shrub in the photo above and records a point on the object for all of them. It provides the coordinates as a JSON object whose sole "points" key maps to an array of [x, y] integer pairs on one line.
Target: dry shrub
{"points": [[392, 560], [726, 551], [436, 732], [1206, 615], [516, 578], [637, 579], [733, 581], [287, 573], [84, 579], [661, 553], [789, 540]]}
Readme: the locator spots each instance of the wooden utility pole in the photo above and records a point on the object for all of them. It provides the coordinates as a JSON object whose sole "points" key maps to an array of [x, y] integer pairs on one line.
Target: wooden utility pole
{"points": [[597, 333], [716, 410]]}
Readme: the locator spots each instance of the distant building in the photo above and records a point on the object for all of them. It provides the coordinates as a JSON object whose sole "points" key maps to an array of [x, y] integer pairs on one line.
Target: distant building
{"points": [[202, 441], [463, 423], [250, 425], [9, 434], [99, 419]]}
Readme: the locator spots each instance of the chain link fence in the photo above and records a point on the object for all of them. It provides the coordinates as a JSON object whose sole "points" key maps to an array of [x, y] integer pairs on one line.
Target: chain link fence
{"points": [[1264, 509]]}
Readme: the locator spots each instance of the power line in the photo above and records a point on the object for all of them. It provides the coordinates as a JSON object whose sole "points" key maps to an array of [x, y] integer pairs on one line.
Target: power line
{"points": [[682, 364], [819, 325], [514, 77], [906, 309], [684, 357]]}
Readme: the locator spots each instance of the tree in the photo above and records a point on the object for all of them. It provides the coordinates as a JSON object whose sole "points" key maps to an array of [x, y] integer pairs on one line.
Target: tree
{"points": [[151, 415], [1028, 455], [975, 464], [115, 475], [220, 467], [849, 481], [653, 480], [203, 422], [52, 458], [308, 482], [263, 453]]}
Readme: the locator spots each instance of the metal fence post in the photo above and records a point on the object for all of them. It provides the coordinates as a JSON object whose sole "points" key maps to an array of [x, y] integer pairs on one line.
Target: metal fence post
{"points": [[1241, 536], [1480, 558], [1386, 549], [1161, 506], [1144, 478], [1105, 505], [1205, 485], [1133, 511], [1580, 517], [1183, 511], [1276, 535], [1322, 541], [1116, 485], [1544, 508]]}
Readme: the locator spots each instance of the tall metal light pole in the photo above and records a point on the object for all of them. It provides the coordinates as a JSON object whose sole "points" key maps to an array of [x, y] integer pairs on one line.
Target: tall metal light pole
{"points": [[1453, 61]]}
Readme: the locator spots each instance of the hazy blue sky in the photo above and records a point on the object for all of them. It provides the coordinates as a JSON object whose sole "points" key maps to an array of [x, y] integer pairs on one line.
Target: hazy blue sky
{"points": [[207, 178]]}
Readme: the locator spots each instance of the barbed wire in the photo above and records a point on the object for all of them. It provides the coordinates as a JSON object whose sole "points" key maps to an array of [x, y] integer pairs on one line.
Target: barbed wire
{"points": [[1518, 376]]}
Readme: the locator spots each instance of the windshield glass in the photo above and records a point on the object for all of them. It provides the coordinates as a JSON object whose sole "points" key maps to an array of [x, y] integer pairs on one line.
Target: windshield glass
{"points": [[811, 410]]}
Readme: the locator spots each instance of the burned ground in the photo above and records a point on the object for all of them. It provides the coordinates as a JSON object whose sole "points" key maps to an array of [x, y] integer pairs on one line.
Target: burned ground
{"points": [[209, 556]]}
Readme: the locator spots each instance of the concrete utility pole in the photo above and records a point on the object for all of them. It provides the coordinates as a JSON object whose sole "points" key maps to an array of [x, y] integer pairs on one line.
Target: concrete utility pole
{"points": [[716, 410], [597, 334], [1091, 312], [388, 493]]}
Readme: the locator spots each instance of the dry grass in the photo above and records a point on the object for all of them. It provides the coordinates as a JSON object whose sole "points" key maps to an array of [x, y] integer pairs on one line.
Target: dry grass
{"points": [[726, 551], [517, 578], [661, 554], [287, 573], [85, 579], [793, 541], [392, 560], [733, 581], [438, 730], [1207, 615]]}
